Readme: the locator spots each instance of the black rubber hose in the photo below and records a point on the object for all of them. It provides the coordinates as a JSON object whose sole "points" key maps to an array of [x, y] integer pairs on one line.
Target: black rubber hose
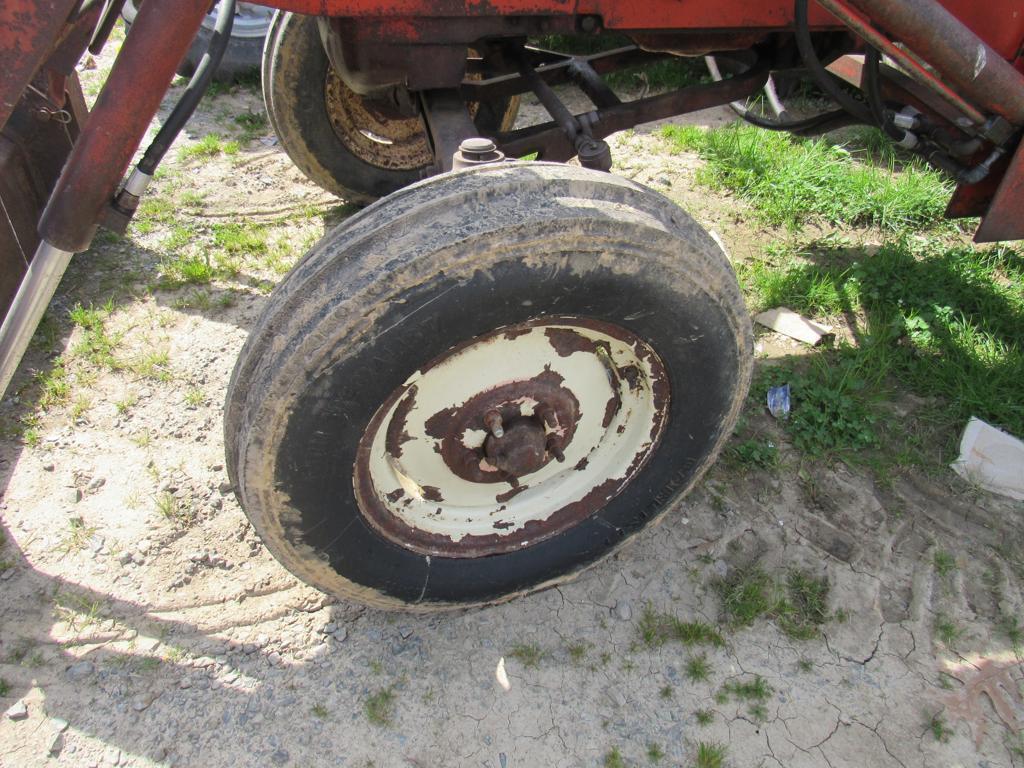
{"points": [[825, 79], [873, 94], [194, 91]]}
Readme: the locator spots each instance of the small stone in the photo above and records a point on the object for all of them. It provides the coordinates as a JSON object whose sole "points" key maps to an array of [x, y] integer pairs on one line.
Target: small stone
{"points": [[59, 725], [125, 557], [405, 632], [75, 495], [622, 611], [280, 757], [96, 542], [17, 711], [147, 644], [97, 483], [720, 567], [48, 467], [185, 683], [216, 467], [139, 703], [274, 659], [112, 756], [80, 670], [225, 487], [56, 744], [249, 648], [329, 628], [340, 634], [138, 558]]}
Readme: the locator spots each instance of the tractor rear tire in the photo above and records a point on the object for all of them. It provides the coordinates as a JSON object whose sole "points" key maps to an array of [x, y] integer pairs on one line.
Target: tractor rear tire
{"points": [[357, 148], [592, 314]]}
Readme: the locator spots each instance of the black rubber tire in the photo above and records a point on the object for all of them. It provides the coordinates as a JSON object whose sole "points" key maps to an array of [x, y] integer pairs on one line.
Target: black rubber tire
{"points": [[294, 70], [241, 59], [437, 264]]}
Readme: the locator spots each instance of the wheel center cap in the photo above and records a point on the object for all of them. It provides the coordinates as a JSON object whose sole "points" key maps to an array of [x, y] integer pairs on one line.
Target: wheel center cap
{"points": [[520, 450]]}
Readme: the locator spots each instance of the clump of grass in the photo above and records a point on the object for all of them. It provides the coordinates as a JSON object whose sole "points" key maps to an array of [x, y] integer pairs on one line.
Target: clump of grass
{"points": [[710, 755], [530, 655], [805, 608], [746, 595], [655, 753], [208, 146], [944, 563], [1009, 626], [578, 652], [704, 716], [666, 692], [77, 536], [938, 728], [791, 181], [656, 629], [380, 707], [240, 239], [748, 690], [799, 607], [754, 453], [613, 759], [319, 710], [5, 688], [698, 669], [54, 385], [947, 630]]}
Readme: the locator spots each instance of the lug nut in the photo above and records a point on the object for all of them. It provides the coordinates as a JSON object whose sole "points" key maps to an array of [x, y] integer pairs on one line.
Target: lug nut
{"points": [[492, 419]]}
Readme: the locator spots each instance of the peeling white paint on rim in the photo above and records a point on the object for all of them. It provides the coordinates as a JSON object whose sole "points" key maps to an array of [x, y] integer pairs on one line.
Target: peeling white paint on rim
{"points": [[421, 491]]}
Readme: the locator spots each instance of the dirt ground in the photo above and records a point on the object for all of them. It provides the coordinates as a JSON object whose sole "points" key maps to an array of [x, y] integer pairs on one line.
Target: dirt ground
{"points": [[143, 623]]}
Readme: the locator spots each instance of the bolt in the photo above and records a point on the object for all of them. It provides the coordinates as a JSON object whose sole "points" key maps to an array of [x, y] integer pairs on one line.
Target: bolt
{"points": [[554, 447], [545, 413], [493, 421], [477, 147], [589, 24]]}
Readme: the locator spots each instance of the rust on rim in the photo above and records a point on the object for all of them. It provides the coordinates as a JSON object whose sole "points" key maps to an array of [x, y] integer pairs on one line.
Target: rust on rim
{"points": [[512, 437]]}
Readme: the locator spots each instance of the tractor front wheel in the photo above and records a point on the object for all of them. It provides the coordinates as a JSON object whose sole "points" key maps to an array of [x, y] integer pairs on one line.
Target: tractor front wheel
{"points": [[484, 384]]}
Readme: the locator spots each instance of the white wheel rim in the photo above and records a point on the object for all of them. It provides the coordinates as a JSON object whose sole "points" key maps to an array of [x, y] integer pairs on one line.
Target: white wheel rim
{"points": [[404, 478]]}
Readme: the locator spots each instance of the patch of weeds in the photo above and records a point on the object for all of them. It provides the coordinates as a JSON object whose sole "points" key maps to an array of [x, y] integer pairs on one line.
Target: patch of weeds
{"points": [[656, 629], [1009, 626], [169, 507], [143, 439], [76, 538], [704, 716], [758, 711], [666, 692], [153, 365], [529, 655], [655, 753], [319, 710], [240, 239], [746, 595], [380, 707], [614, 759], [126, 403], [80, 407], [185, 270], [194, 398], [938, 728], [578, 652], [78, 611], [208, 146], [944, 563], [54, 386], [4, 688], [148, 663], [947, 630], [755, 453], [697, 669], [805, 607], [792, 181], [710, 755], [805, 665], [252, 124], [192, 199], [377, 667], [756, 690], [231, 148]]}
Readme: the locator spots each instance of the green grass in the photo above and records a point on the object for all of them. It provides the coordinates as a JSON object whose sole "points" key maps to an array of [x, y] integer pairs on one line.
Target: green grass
{"points": [[947, 630], [942, 320], [791, 181], [655, 753], [209, 146], [754, 453], [240, 239], [704, 716], [380, 707], [614, 759], [77, 536], [944, 563], [320, 711], [697, 669], [530, 655], [710, 755], [656, 629], [5, 688], [938, 728], [799, 606]]}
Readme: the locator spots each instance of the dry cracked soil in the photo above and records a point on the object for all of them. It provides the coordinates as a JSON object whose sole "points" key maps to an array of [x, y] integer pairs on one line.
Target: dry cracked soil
{"points": [[142, 622]]}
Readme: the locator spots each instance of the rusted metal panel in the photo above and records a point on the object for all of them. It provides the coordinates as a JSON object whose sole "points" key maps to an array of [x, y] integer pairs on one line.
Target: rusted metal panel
{"points": [[28, 31], [1004, 219], [129, 99]]}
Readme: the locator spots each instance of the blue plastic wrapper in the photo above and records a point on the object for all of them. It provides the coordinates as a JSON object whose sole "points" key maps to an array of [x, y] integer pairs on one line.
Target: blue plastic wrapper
{"points": [[778, 401]]}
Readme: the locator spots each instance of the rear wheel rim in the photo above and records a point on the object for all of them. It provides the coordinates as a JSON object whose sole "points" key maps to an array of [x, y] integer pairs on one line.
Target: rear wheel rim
{"points": [[582, 406]]}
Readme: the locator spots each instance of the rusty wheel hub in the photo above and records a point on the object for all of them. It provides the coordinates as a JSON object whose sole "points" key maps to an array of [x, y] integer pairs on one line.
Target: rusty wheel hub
{"points": [[512, 437]]}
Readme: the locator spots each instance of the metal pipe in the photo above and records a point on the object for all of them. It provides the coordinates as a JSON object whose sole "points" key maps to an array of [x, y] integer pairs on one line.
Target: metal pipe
{"points": [[863, 28], [961, 57], [33, 296], [156, 43]]}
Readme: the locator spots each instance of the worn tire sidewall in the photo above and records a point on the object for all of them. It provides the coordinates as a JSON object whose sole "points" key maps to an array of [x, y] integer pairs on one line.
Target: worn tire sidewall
{"points": [[628, 273]]}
